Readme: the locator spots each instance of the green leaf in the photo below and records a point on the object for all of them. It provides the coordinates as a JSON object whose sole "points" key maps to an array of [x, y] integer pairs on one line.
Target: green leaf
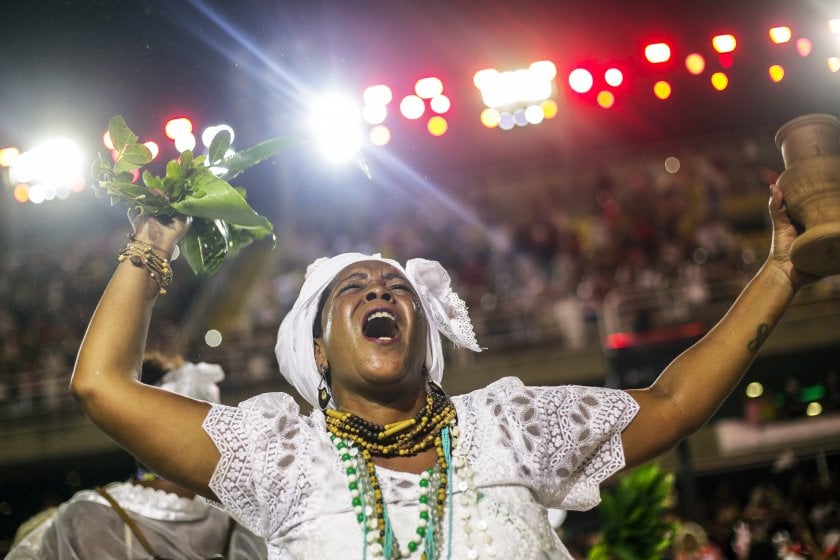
{"points": [[152, 181], [121, 135], [214, 198], [242, 160], [173, 170], [219, 146], [205, 246]]}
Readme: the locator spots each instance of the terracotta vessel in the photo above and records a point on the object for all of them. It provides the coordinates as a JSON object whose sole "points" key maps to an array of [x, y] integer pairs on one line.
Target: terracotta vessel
{"points": [[810, 147]]}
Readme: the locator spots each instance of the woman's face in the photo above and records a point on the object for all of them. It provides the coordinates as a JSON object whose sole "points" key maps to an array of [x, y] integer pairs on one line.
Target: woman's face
{"points": [[374, 333]]}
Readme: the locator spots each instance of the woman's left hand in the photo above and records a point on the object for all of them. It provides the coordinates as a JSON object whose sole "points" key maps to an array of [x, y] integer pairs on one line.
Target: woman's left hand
{"points": [[784, 234]]}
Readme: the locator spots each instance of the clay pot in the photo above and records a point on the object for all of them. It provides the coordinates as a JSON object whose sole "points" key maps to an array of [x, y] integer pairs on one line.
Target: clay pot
{"points": [[810, 147]]}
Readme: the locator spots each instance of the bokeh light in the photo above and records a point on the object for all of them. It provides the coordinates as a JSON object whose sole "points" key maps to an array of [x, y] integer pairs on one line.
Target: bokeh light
{"points": [[210, 132], [695, 64], [427, 88], [437, 126], [8, 156], [813, 409], [379, 94], [614, 77], [804, 46], [153, 148], [754, 390], [213, 338], [580, 80], [776, 72], [672, 164], [662, 89], [176, 127], [534, 114], [833, 63], [490, 117], [440, 104], [780, 35], [374, 113], [412, 107], [605, 99], [380, 135], [549, 107], [724, 43], [720, 81], [657, 53]]}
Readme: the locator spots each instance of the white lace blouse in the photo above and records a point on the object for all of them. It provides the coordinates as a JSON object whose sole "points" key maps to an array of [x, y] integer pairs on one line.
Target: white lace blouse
{"points": [[525, 449]]}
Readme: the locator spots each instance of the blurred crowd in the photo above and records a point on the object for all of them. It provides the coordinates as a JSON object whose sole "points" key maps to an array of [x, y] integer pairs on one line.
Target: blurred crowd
{"points": [[566, 254]]}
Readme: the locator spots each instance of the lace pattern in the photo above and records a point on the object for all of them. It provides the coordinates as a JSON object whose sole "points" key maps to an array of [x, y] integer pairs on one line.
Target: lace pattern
{"points": [[528, 447]]}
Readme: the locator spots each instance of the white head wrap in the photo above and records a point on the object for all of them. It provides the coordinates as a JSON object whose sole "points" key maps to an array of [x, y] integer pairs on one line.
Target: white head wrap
{"points": [[198, 381], [445, 313]]}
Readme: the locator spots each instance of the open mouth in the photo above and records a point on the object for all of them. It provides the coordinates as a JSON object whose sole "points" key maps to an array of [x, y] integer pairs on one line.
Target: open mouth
{"points": [[382, 326]]}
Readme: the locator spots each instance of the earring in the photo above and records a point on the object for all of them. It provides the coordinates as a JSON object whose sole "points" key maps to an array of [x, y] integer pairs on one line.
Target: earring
{"points": [[434, 386], [324, 394]]}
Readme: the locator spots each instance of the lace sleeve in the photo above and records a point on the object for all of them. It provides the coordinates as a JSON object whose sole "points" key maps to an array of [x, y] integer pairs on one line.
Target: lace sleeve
{"points": [[565, 440], [263, 450]]}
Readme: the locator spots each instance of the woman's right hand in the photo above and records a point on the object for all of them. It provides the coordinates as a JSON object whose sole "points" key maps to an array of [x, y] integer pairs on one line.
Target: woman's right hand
{"points": [[162, 234]]}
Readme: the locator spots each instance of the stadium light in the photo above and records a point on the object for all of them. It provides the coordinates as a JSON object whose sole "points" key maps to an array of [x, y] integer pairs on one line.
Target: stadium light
{"points": [[336, 126], [657, 53], [781, 34], [724, 43], [580, 80], [695, 64], [177, 127]]}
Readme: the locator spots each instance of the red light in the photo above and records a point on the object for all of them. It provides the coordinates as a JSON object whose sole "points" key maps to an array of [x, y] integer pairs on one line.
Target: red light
{"points": [[620, 340], [656, 53], [177, 127], [726, 60]]}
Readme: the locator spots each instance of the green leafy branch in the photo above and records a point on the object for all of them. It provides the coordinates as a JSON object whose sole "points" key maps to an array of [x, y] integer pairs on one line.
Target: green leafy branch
{"points": [[634, 522], [197, 186]]}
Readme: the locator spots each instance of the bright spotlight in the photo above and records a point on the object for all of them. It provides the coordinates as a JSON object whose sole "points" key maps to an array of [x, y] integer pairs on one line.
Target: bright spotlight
{"points": [[177, 127], [724, 43], [580, 80], [656, 53], [8, 155], [335, 123], [781, 34], [55, 162]]}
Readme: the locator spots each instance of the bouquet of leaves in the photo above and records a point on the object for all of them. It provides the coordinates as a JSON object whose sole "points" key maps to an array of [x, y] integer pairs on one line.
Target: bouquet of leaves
{"points": [[198, 186]]}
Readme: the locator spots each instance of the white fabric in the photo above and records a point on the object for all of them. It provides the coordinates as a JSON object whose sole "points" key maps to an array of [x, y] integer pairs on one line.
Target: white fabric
{"points": [[444, 310], [530, 448], [86, 527], [198, 381]]}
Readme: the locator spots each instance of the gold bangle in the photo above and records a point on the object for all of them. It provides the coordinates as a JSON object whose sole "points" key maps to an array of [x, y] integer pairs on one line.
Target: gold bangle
{"points": [[143, 255]]}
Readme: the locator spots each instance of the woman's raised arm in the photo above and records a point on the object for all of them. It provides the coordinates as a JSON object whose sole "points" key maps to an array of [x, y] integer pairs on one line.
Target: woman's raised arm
{"points": [[161, 429], [691, 389]]}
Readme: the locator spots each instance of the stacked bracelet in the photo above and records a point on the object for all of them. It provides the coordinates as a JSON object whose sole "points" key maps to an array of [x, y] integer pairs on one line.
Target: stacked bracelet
{"points": [[143, 255]]}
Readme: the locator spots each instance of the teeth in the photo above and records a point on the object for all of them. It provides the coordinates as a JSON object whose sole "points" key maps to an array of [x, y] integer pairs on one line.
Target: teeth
{"points": [[385, 338], [381, 315]]}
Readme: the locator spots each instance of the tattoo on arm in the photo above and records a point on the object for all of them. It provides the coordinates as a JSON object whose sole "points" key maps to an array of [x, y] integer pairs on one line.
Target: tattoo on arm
{"points": [[762, 333]]}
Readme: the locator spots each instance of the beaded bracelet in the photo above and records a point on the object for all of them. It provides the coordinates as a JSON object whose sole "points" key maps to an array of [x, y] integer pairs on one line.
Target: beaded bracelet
{"points": [[143, 255]]}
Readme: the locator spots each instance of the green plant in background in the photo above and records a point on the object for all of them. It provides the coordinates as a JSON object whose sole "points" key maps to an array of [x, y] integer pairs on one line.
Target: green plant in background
{"points": [[197, 186], [633, 521]]}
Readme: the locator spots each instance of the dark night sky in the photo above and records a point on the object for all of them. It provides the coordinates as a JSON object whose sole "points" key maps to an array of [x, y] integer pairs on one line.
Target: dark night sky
{"points": [[69, 65]]}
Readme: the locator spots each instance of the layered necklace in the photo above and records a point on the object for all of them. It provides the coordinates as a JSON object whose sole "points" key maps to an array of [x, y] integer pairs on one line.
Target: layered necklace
{"points": [[358, 441]]}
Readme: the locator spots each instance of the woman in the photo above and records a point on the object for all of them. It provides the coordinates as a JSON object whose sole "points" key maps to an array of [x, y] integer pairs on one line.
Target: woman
{"points": [[393, 467], [145, 516]]}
